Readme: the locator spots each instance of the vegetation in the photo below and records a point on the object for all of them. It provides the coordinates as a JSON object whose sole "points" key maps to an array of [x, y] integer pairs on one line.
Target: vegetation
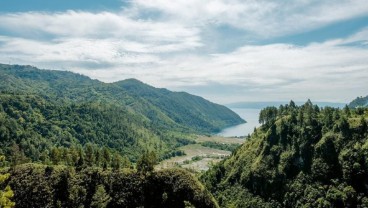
{"points": [[359, 102], [38, 185], [221, 146], [6, 193], [75, 142], [183, 108], [47, 115], [38, 130], [302, 156], [160, 107]]}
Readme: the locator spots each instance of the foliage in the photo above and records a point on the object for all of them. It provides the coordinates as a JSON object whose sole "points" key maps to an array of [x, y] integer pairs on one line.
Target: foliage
{"points": [[51, 186], [183, 108], [160, 107], [6, 194], [58, 117], [100, 199], [147, 162], [302, 156], [82, 136], [221, 146], [34, 129], [359, 102]]}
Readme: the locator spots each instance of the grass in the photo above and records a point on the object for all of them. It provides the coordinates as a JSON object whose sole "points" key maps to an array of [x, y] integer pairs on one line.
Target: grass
{"points": [[198, 157]]}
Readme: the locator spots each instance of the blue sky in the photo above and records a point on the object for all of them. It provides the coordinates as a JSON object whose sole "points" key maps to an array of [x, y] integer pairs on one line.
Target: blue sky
{"points": [[224, 50]]}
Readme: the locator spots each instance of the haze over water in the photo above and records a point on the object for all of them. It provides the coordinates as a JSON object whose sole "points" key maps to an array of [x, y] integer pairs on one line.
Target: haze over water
{"points": [[250, 115]]}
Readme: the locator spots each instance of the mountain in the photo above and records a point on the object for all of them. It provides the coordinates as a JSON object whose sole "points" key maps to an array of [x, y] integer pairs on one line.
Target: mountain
{"points": [[42, 111], [359, 102], [301, 156], [160, 106], [183, 108]]}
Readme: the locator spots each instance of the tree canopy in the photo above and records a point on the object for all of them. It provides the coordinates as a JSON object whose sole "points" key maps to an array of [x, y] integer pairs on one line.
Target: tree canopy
{"points": [[302, 156]]}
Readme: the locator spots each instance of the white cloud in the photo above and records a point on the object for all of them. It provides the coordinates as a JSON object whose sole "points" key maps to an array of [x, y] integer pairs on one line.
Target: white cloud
{"points": [[332, 70], [320, 71], [162, 44], [150, 36], [266, 18]]}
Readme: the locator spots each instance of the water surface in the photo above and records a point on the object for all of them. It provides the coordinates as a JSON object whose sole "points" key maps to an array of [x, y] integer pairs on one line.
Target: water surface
{"points": [[248, 114]]}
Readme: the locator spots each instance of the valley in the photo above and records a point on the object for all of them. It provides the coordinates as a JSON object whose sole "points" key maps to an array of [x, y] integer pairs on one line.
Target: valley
{"points": [[200, 157], [184, 104], [95, 144]]}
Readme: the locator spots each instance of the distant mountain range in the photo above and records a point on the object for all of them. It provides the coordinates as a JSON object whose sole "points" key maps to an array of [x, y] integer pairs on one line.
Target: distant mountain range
{"points": [[261, 105]]}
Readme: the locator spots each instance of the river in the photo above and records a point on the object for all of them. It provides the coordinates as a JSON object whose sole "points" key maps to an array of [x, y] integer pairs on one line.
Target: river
{"points": [[248, 114]]}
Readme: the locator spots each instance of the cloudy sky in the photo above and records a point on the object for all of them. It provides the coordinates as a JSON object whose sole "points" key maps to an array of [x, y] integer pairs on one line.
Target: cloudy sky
{"points": [[224, 50]]}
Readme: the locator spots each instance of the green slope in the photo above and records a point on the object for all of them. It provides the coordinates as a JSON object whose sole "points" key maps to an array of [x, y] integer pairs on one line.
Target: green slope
{"points": [[183, 108], [163, 108], [81, 135], [38, 125], [300, 157], [359, 102], [43, 109]]}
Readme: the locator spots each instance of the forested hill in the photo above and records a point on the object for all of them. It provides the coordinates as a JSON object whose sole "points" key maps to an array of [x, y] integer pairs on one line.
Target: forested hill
{"points": [[359, 102], [70, 141], [43, 112], [183, 108], [302, 156], [161, 107]]}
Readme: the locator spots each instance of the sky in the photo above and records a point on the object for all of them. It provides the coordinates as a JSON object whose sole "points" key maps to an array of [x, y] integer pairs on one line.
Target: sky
{"points": [[223, 50]]}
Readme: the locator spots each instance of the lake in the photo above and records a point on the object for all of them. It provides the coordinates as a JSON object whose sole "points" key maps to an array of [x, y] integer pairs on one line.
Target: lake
{"points": [[248, 114]]}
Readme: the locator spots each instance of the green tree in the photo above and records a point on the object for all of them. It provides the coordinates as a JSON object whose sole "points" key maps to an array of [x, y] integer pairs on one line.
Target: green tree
{"points": [[116, 161], [126, 162], [7, 193], [55, 156], [81, 160], [106, 157], [17, 156], [100, 199], [98, 157], [89, 155], [147, 162]]}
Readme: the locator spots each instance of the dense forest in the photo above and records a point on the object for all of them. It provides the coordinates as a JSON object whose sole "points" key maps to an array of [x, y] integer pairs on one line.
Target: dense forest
{"points": [[33, 127], [161, 107], [69, 141], [43, 110], [36, 185], [302, 156]]}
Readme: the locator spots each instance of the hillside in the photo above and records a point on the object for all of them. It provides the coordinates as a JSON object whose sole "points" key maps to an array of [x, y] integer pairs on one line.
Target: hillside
{"points": [[300, 157], [359, 102], [41, 110], [38, 125], [185, 109], [161, 107], [70, 141]]}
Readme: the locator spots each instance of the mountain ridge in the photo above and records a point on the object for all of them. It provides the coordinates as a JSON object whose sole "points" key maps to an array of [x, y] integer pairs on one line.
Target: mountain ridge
{"points": [[61, 109], [68, 86]]}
